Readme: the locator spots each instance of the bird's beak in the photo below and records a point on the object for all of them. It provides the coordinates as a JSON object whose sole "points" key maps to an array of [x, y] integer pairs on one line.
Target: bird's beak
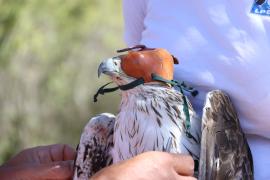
{"points": [[110, 66]]}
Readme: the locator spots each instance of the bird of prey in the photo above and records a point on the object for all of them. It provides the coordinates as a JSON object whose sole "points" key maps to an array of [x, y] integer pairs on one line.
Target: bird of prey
{"points": [[153, 115]]}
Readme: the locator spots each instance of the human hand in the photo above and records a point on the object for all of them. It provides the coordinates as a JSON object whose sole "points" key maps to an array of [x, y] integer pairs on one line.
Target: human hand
{"points": [[43, 162], [150, 165]]}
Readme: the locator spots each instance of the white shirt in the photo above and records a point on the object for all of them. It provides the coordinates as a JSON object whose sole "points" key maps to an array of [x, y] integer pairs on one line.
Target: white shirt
{"points": [[220, 45]]}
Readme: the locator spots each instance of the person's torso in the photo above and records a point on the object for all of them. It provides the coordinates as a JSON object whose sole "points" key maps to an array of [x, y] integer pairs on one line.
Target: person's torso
{"points": [[220, 45]]}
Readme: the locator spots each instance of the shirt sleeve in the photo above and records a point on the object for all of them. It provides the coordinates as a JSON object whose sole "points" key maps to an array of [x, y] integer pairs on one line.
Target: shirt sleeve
{"points": [[134, 13]]}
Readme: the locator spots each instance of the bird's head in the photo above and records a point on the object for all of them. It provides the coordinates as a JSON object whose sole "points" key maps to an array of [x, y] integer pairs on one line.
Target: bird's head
{"points": [[139, 62]]}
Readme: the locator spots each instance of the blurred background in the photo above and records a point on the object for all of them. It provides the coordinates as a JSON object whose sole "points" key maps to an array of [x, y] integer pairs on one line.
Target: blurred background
{"points": [[49, 53]]}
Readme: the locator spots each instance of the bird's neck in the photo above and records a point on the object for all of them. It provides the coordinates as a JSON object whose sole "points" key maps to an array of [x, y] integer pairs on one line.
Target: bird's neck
{"points": [[146, 91]]}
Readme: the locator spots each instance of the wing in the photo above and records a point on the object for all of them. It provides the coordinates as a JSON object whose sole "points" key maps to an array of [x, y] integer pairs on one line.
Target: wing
{"points": [[189, 139], [225, 154], [93, 152], [191, 142], [173, 110]]}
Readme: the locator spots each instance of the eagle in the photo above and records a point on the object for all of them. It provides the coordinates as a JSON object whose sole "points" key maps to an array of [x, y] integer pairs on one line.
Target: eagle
{"points": [[154, 115]]}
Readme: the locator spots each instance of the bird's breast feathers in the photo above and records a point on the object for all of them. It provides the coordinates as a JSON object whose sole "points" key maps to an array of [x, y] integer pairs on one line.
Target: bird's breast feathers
{"points": [[150, 119]]}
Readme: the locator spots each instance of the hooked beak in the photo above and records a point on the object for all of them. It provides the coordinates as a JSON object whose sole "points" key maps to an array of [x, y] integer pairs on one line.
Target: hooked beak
{"points": [[110, 66]]}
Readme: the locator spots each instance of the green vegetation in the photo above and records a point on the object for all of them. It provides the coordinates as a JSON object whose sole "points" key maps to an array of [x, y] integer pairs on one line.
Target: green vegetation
{"points": [[49, 53]]}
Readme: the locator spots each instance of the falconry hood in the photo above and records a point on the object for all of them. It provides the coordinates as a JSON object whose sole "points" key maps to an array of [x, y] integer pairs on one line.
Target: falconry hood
{"points": [[143, 62], [140, 62]]}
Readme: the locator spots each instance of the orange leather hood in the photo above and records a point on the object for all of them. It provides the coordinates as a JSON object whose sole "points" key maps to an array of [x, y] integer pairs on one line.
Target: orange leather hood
{"points": [[145, 62]]}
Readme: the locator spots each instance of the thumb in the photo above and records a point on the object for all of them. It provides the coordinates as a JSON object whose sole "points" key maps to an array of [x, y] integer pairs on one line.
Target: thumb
{"points": [[55, 170], [183, 164]]}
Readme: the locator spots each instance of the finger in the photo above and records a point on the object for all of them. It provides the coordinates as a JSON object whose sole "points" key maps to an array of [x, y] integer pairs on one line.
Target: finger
{"points": [[183, 164], [39, 154], [61, 152], [69, 153], [44, 154]]}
